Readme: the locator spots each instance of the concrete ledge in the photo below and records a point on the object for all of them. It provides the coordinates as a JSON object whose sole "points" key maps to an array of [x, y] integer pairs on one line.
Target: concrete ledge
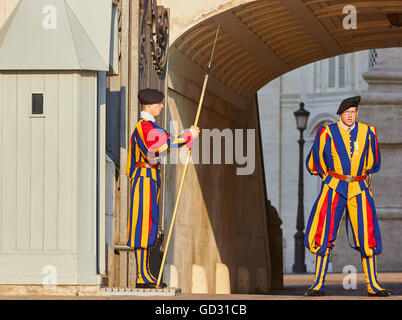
{"points": [[49, 290], [140, 292], [389, 213]]}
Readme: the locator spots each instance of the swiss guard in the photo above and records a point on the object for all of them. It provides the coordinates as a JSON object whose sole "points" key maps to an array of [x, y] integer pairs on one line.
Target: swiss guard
{"points": [[148, 144], [345, 154]]}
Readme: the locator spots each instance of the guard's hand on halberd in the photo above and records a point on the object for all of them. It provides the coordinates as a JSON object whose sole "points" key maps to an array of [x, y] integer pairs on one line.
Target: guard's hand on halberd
{"points": [[195, 131]]}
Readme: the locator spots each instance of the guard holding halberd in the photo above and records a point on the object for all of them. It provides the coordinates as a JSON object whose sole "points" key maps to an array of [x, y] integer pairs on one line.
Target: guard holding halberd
{"points": [[148, 144]]}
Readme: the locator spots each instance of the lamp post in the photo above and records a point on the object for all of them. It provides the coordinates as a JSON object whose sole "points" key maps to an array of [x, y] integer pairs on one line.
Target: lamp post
{"points": [[299, 266]]}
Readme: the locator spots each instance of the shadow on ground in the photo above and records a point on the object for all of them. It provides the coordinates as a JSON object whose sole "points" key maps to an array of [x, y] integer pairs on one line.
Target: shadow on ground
{"points": [[296, 285]]}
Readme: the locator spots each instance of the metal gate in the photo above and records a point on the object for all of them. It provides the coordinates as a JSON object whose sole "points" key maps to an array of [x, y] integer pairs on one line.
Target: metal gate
{"points": [[153, 44]]}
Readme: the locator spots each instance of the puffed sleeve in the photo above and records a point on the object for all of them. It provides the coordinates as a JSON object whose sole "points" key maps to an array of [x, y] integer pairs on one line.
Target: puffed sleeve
{"points": [[130, 167], [156, 142], [316, 161], [373, 163]]}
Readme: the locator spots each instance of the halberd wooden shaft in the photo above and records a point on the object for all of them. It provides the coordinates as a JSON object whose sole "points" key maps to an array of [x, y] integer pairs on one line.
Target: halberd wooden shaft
{"points": [[183, 177], [176, 206]]}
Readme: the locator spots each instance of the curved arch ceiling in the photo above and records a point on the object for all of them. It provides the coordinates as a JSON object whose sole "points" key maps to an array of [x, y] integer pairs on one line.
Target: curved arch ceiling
{"points": [[264, 39]]}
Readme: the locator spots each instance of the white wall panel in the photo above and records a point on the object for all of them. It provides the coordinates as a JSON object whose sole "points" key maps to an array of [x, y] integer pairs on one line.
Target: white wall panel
{"points": [[51, 161], [37, 168], [23, 210], [9, 163], [66, 161], [86, 185]]}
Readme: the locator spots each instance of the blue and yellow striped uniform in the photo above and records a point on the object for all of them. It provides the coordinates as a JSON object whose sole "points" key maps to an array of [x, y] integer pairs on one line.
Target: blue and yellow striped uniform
{"points": [[353, 153], [148, 144]]}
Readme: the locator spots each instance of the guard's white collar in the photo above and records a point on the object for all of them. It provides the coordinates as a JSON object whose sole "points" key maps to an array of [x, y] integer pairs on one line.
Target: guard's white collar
{"points": [[147, 116], [344, 126]]}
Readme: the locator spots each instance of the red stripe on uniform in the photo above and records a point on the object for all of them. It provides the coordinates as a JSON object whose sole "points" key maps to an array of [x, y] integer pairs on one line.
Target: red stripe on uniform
{"points": [[321, 219], [322, 129], [150, 209], [333, 209], [370, 226]]}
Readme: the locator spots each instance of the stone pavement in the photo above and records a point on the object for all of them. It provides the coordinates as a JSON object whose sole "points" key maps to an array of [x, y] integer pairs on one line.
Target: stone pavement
{"points": [[294, 287]]}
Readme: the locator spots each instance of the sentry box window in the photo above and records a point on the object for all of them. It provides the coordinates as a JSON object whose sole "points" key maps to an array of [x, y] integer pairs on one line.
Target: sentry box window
{"points": [[37, 104]]}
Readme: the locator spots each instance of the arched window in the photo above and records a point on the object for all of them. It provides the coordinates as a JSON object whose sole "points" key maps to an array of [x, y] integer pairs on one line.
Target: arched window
{"points": [[321, 119], [323, 123]]}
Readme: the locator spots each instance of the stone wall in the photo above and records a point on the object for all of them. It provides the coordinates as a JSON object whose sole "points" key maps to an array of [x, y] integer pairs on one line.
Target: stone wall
{"points": [[186, 14], [220, 241]]}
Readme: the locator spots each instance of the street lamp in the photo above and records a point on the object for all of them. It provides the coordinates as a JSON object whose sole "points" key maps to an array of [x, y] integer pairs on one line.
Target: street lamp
{"points": [[301, 122]]}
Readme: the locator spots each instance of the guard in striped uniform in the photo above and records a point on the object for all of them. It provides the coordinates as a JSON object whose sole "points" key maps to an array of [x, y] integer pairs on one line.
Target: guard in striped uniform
{"points": [[344, 154], [148, 144]]}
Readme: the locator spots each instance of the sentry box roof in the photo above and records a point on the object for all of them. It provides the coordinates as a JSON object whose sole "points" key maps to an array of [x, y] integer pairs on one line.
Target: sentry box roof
{"points": [[57, 35]]}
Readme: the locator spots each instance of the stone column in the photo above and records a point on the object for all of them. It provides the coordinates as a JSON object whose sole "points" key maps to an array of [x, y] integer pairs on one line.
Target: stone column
{"points": [[382, 107]]}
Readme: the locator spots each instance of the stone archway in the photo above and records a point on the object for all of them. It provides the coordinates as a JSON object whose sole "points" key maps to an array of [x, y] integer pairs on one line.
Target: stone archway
{"points": [[274, 37]]}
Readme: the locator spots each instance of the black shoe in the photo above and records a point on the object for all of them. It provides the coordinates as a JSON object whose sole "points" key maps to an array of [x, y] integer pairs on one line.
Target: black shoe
{"points": [[150, 285], [314, 293], [381, 293]]}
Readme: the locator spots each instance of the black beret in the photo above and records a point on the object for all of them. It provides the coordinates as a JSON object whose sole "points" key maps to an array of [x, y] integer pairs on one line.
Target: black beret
{"points": [[150, 96], [348, 103]]}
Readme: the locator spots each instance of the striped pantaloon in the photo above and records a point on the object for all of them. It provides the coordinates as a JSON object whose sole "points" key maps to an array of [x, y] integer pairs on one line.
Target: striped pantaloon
{"points": [[323, 226], [142, 225]]}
